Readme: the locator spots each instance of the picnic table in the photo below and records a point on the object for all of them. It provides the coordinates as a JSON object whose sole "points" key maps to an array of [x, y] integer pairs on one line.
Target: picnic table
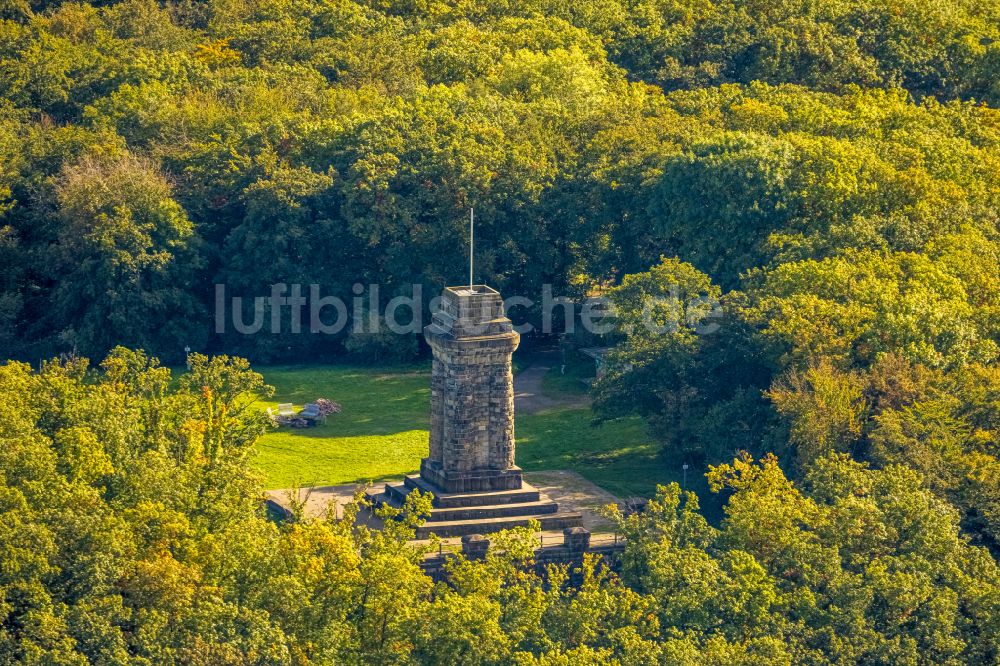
{"points": [[312, 413]]}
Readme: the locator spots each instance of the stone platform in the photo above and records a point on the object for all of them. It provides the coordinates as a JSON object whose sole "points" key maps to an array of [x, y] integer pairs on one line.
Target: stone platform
{"points": [[459, 514]]}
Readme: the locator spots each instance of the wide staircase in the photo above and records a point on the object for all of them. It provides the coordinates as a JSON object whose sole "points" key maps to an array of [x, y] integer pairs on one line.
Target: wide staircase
{"points": [[458, 514]]}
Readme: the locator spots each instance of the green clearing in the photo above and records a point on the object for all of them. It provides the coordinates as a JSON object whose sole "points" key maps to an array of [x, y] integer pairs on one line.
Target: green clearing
{"points": [[382, 433]]}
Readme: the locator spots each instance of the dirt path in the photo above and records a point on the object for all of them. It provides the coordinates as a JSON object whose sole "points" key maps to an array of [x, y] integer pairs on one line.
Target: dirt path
{"points": [[528, 395], [575, 493]]}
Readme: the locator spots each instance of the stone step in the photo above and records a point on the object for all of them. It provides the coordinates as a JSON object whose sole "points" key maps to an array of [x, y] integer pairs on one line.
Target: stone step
{"points": [[527, 493], [396, 492], [538, 508], [454, 528], [395, 495], [378, 499], [505, 516]]}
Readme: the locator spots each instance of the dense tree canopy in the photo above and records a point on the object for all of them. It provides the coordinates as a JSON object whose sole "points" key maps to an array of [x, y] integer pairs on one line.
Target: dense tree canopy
{"points": [[334, 142]]}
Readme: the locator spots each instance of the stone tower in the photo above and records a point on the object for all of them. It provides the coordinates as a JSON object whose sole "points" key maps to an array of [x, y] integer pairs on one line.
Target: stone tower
{"points": [[472, 394], [470, 468]]}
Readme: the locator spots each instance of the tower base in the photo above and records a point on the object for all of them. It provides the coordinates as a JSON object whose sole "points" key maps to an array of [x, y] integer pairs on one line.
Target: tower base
{"points": [[479, 480], [461, 513]]}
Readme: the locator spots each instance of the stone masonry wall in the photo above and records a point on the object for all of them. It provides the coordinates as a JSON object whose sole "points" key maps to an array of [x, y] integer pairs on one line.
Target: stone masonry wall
{"points": [[472, 388]]}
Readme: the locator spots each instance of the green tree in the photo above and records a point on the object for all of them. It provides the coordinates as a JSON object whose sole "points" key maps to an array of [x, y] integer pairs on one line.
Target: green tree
{"points": [[123, 256]]}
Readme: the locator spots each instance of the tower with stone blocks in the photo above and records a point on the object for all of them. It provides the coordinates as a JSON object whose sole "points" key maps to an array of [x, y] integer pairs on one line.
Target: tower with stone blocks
{"points": [[472, 394], [470, 466]]}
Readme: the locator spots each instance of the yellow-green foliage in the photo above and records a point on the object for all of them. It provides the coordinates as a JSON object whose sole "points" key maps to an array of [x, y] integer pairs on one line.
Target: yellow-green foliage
{"points": [[132, 531]]}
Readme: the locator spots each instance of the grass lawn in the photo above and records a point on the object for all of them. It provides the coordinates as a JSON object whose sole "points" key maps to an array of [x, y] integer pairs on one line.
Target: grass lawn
{"points": [[382, 433], [579, 372]]}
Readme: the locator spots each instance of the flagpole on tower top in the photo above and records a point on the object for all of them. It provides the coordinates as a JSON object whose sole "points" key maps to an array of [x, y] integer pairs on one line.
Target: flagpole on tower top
{"points": [[472, 243]]}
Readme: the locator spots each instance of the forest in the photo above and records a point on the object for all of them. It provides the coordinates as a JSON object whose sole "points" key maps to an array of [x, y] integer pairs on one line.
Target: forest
{"points": [[825, 171]]}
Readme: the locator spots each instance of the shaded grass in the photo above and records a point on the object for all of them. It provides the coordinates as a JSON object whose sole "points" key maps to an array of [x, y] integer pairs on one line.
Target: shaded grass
{"points": [[619, 456], [571, 382]]}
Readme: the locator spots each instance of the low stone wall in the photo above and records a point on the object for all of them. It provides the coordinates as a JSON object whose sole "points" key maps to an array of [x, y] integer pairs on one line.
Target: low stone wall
{"points": [[576, 543]]}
